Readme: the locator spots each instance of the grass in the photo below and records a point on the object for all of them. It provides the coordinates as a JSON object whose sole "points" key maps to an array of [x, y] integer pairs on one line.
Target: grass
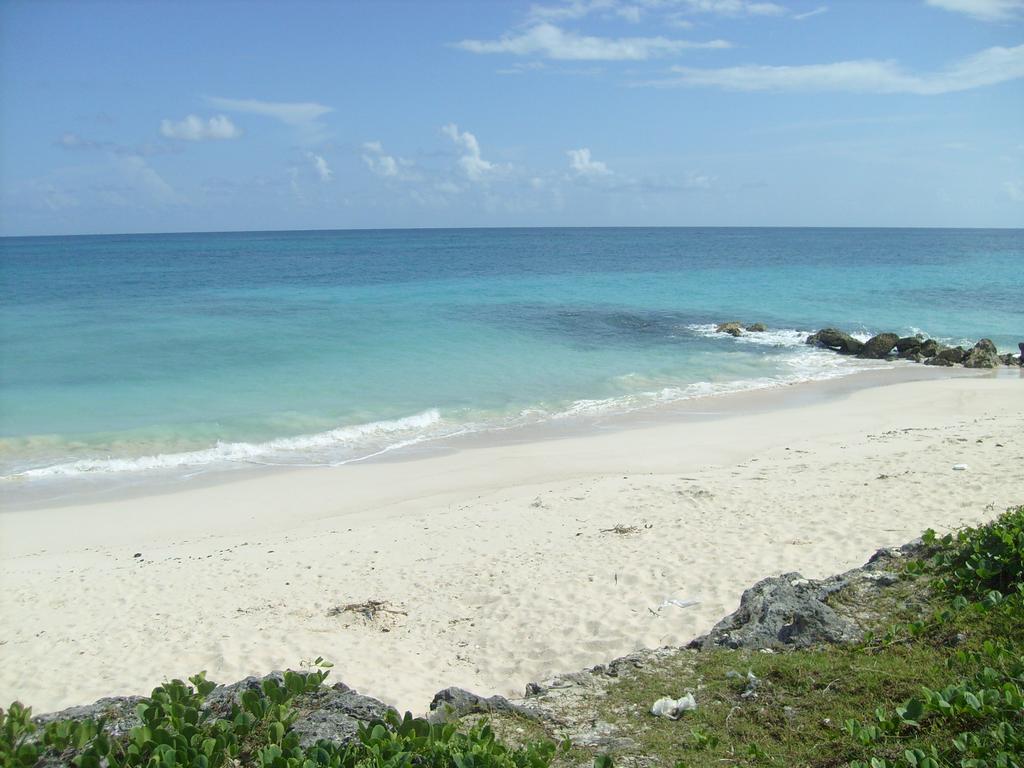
{"points": [[839, 706]]}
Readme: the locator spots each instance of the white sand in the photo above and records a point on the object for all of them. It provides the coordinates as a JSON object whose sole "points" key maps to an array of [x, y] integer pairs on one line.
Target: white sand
{"points": [[495, 556]]}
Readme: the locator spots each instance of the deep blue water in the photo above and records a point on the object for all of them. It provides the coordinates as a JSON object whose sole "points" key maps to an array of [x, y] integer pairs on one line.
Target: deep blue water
{"points": [[126, 353]]}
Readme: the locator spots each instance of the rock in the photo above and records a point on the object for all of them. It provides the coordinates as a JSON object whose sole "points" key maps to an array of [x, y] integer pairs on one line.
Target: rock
{"points": [[939, 361], [757, 328], [983, 355], [732, 328], [913, 356], [453, 703], [878, 347], [930, 347], [954, 355], [333, 714], [835, 339], [330, 713], [117, 712], [1009, 359], [908, 344], [785, 611]]}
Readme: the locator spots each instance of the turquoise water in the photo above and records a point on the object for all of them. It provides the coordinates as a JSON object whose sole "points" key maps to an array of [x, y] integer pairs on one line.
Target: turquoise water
{"points": [[181, 353]]}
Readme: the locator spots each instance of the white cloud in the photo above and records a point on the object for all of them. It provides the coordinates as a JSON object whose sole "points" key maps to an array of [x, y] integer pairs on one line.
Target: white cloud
{"points": [[297, 114], [136, 172], [554, 43], [988, 67], [472, 164], [575, 9], [678, 21], [583, 165], [735, 7], [985, 10], [1015, 189], [385, 165], [194, 128], [630, 13], [323, 170], [808, 14]]}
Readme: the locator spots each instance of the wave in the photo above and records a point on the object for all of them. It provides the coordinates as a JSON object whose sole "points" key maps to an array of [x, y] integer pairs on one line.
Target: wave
{"points": [[258, 453], [776, 337], [353, 443]]}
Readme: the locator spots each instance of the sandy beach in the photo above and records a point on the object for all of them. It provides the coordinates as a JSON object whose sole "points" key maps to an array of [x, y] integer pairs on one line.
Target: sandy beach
{"points": [[502, 560]]}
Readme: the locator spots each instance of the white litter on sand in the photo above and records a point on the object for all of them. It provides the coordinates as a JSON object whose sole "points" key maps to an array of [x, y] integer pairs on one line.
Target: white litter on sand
{"points": [[678, 603], [673, 708]]}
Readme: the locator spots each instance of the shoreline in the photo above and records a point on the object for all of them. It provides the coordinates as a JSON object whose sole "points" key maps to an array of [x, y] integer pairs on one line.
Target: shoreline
{"points": [[500, 558], [112, 487]]}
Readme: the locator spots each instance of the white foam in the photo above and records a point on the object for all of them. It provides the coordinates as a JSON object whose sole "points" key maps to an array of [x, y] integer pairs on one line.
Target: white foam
{"points": [[775, 337], [263, 453], [360, 442]]}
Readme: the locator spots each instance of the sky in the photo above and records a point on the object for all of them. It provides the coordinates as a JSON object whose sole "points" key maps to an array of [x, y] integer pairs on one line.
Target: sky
{"points": [[219, 116]]}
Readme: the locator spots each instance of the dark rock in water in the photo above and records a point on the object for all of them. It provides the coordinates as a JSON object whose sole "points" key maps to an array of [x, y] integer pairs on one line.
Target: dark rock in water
{"points": [[913, 356], [983, 355], [733, 328], [453, 703], [908, 344], [954, 355], [1009, 359], [757, 328], [835, 339], [941, 361], [878, 347], [930, 347]]}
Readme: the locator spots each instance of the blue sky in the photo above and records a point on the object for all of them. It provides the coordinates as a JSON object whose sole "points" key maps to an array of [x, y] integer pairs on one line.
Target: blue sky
{"points": [[188, 116]]}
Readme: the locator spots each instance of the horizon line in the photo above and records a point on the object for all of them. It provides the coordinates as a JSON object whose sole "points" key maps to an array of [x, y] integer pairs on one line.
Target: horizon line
{"points": [[496, 228]]}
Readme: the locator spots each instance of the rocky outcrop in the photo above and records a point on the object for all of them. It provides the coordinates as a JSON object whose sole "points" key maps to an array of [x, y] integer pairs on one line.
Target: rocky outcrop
{"points": [[908, 344], [832, 338], [117, 713], [983, 355], [878, 347], [790, 611], [453, 703], [331, 713], [736, 328], [914, 348]]}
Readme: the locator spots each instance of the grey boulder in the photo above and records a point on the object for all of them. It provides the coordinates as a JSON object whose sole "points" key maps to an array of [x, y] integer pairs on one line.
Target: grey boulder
{"points": [[453, 703], [732, 328], [983, 355], [785, 611], [833, 338], [878, 347]]}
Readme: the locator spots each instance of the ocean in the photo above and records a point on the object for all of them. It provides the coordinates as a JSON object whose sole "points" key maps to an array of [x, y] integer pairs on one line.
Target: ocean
{"points": [[178, 354]]}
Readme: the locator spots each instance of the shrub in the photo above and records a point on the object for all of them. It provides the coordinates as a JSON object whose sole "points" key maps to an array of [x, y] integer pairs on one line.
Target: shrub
{"points": [[176, 731]]}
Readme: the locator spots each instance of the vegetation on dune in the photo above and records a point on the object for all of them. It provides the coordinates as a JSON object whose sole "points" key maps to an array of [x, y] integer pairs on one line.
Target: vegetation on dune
{"points": [[940, 684]]}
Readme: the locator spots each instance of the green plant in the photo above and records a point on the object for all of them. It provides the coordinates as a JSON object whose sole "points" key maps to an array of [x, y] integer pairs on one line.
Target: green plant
{"points": [[176, 730], [977, 562]]}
